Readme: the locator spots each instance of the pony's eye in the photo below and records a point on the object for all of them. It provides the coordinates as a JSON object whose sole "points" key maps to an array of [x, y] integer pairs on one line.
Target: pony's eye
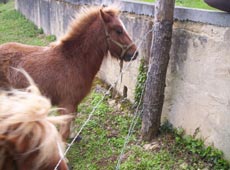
{"points": [[119, 31]]}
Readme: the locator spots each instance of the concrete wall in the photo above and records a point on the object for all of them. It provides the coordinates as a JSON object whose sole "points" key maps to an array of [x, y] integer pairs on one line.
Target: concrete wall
{"points": [[198, 82], [198, 78]]}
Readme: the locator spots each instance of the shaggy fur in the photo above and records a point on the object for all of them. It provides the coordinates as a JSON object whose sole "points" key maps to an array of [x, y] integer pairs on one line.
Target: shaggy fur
{"points": [[64, 71], [4, 64], [28, 135]]}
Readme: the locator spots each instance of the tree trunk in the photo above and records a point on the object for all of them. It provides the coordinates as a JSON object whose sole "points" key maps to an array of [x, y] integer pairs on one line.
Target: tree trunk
{"points": [[155, 84]]}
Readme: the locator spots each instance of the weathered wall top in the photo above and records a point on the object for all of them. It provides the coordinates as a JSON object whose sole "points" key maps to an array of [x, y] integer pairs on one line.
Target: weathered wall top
{"points": [[183, 14]]}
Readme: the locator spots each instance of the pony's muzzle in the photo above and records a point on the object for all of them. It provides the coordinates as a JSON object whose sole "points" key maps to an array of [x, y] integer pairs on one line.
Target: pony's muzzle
{"points": [[130, 57]]}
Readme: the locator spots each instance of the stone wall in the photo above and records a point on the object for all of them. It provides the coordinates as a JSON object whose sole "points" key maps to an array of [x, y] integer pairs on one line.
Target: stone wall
{"points": [[198, 78]]}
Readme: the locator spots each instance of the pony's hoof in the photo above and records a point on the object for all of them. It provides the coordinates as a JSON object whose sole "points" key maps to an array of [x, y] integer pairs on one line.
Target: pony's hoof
{"points": [[78, 139], [70, 167]]}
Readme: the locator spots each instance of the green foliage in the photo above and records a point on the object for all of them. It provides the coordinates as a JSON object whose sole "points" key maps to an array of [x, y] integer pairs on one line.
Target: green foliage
{"points": [[103, 136], [196, 146], [103, 107], [94, 99], [193, 4], [166, 127], [189, 3], [146, 160], [141, 78], [51, 38], [16, 28]]}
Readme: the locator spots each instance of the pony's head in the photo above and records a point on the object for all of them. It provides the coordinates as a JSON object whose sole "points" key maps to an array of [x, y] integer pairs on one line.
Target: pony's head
{"points": [[101, 25], [119, 42], [28, 136]]}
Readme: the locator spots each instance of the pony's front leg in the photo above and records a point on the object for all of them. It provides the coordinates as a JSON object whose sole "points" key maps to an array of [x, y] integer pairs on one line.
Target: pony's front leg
{"points": [[65, 128]]}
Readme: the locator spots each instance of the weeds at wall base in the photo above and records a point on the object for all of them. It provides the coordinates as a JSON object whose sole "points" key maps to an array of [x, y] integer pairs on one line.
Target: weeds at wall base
{"points": [[190, 144], [141, 78]]}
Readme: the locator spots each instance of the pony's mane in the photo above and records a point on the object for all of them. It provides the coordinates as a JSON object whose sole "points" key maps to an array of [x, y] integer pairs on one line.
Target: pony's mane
{"points": [[85, 17], [24, 114]]}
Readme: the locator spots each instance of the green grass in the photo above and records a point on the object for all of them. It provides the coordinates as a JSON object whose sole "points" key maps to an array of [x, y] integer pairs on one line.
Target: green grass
{"points": [[104, 135], [189, 3], [16, 28]]}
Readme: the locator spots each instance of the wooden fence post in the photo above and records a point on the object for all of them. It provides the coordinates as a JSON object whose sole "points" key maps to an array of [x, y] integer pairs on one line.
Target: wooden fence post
{"points": [[155, 84]]}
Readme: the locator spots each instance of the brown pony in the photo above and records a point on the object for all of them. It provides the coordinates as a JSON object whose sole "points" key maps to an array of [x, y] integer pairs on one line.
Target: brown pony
{"points": [[64, 71], [28, 137]]}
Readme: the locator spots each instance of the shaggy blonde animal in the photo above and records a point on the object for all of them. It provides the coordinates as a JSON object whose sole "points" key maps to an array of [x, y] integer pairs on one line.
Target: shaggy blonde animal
{"points": [[26, 128]]}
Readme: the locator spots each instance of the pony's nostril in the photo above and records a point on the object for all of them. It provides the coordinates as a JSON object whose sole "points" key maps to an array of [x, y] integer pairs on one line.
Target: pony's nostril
{"points": [[135, 55]]}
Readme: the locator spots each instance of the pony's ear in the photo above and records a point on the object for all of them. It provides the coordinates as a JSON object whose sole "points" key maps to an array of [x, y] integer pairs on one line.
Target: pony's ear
{"points": [[105, 16]]}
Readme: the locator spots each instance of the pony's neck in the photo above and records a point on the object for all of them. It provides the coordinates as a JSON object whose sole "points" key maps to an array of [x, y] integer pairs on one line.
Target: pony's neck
{"points": [[87, 46]]}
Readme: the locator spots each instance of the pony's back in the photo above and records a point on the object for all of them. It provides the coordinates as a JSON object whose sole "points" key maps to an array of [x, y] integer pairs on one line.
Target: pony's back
{"points": [[26, 131]]}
